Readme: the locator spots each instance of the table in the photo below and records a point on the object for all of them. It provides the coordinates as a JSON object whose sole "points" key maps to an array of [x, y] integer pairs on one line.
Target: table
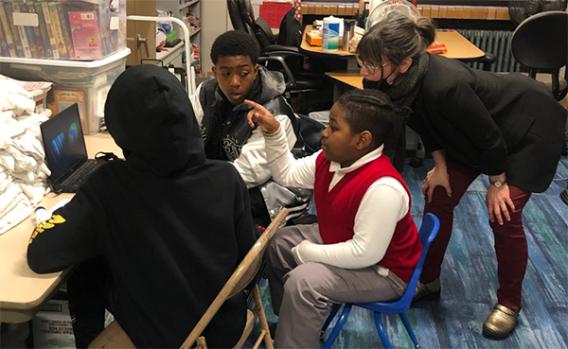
{"points": [[22, 291], [458, 48], [318, 50]]}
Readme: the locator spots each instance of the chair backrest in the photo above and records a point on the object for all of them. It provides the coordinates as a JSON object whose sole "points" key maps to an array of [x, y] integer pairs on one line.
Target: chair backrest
{"points": [[247, 14], [263, 33], [540, 41], [290, 33], [290, 30], [428, 232], [235, 15], [310, 134], [241, 277]]}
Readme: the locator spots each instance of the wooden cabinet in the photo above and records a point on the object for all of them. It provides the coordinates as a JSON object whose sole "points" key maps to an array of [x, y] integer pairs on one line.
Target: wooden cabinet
{"points": [[140, 36]]}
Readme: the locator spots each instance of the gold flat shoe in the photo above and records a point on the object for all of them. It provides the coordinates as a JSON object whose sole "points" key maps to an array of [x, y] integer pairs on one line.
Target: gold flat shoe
{"points": [[428, 291], [501, 322]]}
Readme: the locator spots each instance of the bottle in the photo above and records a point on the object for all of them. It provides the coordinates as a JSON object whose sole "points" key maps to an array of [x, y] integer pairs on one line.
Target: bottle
{"points": [[330, 36], [348, 32], [41, 214]]}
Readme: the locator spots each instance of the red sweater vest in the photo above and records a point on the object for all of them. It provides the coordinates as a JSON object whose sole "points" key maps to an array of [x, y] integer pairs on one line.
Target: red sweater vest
{"points": [[337, 208]]}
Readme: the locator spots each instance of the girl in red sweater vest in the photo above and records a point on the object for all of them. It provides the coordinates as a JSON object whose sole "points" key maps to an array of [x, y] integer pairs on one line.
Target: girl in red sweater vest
{"points": [[365, 244]]}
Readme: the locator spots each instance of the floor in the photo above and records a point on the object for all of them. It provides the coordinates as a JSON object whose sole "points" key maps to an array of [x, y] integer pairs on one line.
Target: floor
{"points": [[469, 279]]}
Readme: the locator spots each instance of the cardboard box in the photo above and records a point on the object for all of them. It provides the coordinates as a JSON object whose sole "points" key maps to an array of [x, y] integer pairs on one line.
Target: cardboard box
{"points": [[314, 38], [52, 326]]}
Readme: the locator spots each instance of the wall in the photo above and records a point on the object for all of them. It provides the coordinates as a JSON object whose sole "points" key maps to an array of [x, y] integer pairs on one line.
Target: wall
{"points": [[214, 21]]}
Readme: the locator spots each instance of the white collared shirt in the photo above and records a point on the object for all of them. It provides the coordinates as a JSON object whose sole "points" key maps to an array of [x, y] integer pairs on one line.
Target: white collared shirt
{"points": [[384, 204]]}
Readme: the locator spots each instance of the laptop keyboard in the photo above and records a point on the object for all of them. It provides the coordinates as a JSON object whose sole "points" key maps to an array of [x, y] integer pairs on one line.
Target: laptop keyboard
{"points": [[79, 176]]}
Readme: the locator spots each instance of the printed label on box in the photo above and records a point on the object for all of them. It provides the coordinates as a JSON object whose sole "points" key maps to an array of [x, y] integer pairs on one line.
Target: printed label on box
{"points": [[25, 19], [114, 23], [52, 326]]}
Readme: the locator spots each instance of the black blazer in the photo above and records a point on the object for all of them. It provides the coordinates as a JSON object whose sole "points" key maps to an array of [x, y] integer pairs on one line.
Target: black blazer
{"points": [[492, 122]]}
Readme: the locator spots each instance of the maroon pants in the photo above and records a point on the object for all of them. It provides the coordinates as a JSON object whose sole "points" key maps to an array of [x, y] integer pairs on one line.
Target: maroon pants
{"points": [[510, 240]]}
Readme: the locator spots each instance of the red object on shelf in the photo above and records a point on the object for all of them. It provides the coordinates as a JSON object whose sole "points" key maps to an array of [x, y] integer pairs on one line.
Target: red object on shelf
{"points": [[437, 47], [273, 12]]}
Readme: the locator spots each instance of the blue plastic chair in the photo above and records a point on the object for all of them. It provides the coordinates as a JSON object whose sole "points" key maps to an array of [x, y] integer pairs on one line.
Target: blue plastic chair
{"points": [[428, 231]]}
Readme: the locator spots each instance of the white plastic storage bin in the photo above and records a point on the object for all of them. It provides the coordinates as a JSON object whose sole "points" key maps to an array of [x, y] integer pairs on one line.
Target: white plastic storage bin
{"points": [[85, 83], [62, 29]]}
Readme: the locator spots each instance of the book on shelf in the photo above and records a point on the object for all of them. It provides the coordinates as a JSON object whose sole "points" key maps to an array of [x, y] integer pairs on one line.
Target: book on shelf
{"points": [[50, 30], [85, 34], [65, 97], [7, 31], [16, 33], [42, 26], [34, 32], [66, 30], [56, 25], [61, 29], [28, 40], [3, 42]]}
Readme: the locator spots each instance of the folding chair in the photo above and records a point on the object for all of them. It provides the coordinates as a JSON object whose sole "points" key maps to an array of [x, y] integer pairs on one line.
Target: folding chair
{"points": [[428, 231], [113, 336], [243, 275]]}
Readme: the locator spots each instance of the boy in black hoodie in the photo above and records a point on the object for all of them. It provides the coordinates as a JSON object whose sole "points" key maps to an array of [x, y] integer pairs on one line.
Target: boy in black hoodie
{"points": [[170, 225]]}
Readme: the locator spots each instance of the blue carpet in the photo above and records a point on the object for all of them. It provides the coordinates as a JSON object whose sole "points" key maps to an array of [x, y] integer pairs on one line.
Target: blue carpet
{"points": [[469, 278]]}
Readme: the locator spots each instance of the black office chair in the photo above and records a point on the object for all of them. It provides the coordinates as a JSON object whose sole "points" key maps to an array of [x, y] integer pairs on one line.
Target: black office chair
{"points": [[286, 59], [233, 7], [289, 34], [540, 44]]}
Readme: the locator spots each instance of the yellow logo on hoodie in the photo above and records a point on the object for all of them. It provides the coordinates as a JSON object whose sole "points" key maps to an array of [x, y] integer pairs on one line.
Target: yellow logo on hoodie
{"points": [[43, 226]]}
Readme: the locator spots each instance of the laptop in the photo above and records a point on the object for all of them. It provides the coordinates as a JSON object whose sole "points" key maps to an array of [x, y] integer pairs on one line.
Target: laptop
{"points": [[65, 151]]}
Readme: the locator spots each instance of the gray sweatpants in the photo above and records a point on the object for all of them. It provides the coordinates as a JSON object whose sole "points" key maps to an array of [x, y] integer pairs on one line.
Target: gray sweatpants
{"points": [[302, 294]]}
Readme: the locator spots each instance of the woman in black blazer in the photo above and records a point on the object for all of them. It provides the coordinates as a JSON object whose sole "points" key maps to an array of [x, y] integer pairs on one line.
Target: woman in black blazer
{"points": [[506, 126]]}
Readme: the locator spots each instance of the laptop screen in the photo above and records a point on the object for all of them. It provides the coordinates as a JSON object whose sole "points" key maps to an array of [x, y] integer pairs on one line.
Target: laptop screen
{"points": [[63, 142]]}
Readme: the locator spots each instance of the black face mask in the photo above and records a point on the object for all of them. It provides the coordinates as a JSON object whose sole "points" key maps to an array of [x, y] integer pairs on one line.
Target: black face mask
{"points": [[381, 85]]}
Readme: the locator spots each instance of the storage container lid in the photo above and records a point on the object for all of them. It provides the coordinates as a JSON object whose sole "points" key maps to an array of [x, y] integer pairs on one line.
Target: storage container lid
{"points": [[68, 63]]}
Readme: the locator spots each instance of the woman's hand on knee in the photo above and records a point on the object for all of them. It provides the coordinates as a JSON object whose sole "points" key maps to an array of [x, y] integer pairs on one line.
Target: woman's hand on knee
{"points": [[499, 203], [437, 176]]}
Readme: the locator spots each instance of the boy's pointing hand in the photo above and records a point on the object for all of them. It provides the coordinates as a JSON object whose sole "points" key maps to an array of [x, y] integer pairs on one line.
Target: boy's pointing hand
{"points": [[262, 117]]}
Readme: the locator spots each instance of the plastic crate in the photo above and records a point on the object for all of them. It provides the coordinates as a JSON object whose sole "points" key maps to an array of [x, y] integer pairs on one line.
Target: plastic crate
{"points": [[85, 83], [62, 29]]}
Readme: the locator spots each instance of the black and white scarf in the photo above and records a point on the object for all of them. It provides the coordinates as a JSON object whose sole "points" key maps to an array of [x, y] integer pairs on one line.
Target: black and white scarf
{"points": [[402, 92], [224, 128]]}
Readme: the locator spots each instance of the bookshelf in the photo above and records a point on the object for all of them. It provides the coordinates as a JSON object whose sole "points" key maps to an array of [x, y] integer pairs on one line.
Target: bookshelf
{"points": [[141, 37], [78, 45], [81, 30], [190, 12]]}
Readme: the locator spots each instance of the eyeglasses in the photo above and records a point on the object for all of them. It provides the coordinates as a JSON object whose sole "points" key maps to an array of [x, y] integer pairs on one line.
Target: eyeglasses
{"points": [[370, 67]]}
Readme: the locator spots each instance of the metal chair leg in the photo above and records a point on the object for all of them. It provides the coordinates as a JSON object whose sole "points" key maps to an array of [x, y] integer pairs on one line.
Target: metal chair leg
{"points": [[409, 329], [380, 331], [338, 326], [334, 309]]}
